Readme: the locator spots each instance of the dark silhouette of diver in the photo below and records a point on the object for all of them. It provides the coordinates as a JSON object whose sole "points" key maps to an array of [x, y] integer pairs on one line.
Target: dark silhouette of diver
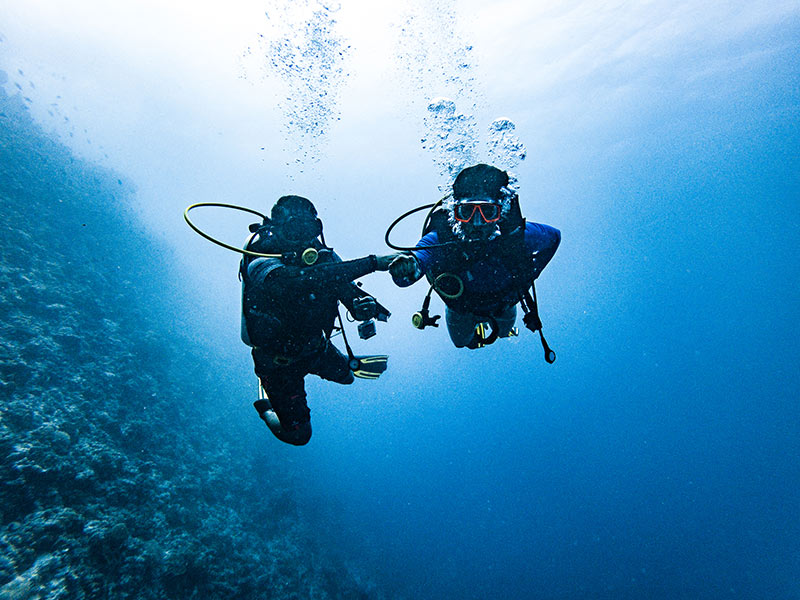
{"points": [[289, 307], [481, 257]]}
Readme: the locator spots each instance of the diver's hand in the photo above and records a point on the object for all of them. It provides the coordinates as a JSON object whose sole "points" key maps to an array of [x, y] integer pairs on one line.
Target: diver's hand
{"points": [[383, 262], [404, 266], [364, 308]]}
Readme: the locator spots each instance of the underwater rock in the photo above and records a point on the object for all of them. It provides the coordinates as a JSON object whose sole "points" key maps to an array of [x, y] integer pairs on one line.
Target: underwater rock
{"points": [[106, 542], [41, 581], [58, 440]]}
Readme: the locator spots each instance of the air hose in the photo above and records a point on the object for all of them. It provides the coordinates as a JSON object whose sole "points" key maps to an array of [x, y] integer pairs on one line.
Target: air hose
{"points": [[406, 214], [216, 241]]}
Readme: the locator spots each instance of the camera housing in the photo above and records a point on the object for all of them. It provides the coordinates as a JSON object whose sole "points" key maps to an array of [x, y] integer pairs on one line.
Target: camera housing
{"points": [[366, 329]]}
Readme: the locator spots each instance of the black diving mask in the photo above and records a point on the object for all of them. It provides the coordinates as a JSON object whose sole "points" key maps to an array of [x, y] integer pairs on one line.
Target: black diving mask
{"points": [[297, 230]]}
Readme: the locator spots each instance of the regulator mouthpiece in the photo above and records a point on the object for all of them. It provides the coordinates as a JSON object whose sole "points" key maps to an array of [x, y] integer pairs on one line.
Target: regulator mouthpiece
{"points": [[423, 319]]}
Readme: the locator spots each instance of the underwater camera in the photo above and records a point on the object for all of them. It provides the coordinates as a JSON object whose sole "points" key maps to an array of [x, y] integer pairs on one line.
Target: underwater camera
{"points": [[366, 329]]}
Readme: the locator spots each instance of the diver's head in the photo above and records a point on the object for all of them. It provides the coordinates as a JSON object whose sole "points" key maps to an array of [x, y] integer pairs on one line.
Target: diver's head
{"points": [[479, 202], [294, 221]]}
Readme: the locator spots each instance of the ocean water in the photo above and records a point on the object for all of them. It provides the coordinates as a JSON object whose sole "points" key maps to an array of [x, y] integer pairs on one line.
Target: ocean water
{"points": [[659, 456]]}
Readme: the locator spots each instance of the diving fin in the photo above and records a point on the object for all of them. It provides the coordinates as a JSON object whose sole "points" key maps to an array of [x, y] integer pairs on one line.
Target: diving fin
{"points": [[368, 367]]}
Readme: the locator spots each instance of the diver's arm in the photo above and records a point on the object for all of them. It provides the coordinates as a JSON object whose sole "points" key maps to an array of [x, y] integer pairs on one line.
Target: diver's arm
{"points": [[542, 242], [314, 276], [349, 291], [361, 304]]}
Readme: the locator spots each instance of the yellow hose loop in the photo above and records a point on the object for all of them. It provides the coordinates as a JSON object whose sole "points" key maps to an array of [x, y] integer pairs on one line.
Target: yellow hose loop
{"points": [[436, 285], [217, 242]]}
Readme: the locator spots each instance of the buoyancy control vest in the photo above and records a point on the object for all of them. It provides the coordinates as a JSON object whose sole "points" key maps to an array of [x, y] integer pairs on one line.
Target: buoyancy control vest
{"points": [[454, 261], [266, 316]]}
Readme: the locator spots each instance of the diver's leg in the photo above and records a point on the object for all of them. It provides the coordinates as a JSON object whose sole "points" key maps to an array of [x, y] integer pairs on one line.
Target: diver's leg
{"points": [[506, 320], [332, 365], [461, 327], [285, 387], [287, 396]]}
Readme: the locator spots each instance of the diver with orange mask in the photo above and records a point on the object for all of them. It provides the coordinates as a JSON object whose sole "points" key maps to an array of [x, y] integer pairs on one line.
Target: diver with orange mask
{"points": [[481, 257]]}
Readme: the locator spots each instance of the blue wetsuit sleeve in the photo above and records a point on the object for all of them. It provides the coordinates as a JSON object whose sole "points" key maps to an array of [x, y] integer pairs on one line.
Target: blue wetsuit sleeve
{"points": [[424, 260], [542, 242], [424, 255]]}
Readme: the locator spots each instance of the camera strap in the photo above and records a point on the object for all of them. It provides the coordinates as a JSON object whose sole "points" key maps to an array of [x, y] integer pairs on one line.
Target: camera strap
{"points": [[350, 356]]}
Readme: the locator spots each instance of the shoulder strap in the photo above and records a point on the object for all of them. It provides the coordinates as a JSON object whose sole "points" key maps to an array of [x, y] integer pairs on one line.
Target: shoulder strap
{"points": [[514, 219]]}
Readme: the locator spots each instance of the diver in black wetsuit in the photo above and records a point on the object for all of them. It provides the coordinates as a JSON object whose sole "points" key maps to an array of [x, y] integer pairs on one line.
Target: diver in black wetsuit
{"points": [[288, 313]]}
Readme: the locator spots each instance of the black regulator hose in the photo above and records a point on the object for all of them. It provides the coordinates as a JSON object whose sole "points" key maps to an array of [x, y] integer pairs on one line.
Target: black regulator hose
{"points": [[432, 207]]}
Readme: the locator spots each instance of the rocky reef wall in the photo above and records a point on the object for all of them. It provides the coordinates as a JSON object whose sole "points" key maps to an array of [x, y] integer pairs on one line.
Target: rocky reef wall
{"points": [[115, 482]]}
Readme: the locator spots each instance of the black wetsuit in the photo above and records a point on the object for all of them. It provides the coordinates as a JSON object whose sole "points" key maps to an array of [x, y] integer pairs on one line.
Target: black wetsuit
{"points": [[289, 313]]}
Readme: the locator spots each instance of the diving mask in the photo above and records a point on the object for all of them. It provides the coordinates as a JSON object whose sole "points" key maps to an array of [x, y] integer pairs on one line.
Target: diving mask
{"points": [[463, 212], [297, 229]]}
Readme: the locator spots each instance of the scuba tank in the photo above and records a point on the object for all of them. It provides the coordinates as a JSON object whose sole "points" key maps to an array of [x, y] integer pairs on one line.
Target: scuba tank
{"points": [[256, 242]]}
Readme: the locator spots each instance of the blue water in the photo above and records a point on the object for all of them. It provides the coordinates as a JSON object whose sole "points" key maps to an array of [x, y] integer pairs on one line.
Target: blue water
{"points": [[659, 457]]}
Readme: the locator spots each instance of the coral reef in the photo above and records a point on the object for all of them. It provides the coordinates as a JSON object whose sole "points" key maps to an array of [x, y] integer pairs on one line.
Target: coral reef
{"points": [[111, 486]]}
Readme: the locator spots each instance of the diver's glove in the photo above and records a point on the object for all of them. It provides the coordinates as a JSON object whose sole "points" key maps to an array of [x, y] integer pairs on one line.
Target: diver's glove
{"points": [[404, 267], [364, 308]]}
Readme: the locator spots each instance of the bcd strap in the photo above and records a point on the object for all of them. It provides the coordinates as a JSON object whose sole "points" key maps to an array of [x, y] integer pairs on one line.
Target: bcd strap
{"points": [[533, 322]]}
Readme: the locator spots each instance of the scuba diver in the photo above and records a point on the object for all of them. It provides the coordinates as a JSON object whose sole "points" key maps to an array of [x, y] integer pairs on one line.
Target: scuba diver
{"points": [[289, 306], [481, 257]]}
